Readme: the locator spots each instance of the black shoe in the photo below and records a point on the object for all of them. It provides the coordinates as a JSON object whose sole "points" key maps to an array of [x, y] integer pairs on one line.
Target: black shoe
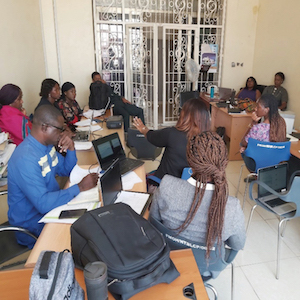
{"points": [[250, 178]]}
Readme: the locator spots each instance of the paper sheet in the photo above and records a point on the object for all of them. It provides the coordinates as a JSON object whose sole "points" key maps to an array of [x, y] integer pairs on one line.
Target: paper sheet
{"points": [[78, 173], [129, 180], [86, 122], [136, 201], [86, 128], [83, 145], [52, 216], [95, 113]]}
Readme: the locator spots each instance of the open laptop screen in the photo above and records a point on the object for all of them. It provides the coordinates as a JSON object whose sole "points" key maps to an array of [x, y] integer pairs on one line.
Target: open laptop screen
{"points": [[111, 184], [108, 149], [275, 177]]}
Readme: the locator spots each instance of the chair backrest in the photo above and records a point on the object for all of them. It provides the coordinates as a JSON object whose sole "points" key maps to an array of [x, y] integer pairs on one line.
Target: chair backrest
{"points": [[267, 153], [140, 147], [184, 96], [293, 194], [208, 268], [186, 173]]}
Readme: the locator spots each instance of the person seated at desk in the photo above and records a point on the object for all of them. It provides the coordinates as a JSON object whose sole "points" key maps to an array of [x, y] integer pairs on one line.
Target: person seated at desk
{"points": [[271, 129], [32, 188], [200, 209], [13, 117], [67, 104], [50, 92], [279, 92], [122, 106], [193, 119], [250, 90]]}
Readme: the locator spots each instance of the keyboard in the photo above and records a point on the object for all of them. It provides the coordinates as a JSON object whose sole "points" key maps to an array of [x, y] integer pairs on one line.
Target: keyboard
{"points": [[275, 202], [128, 164]]}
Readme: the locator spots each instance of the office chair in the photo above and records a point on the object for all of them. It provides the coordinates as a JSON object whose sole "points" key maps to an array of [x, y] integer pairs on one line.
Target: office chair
{"points": [[139, 146], [264, 154], [184, 96], [291, 196], [218, 260], [186, 174], [9, 245]]}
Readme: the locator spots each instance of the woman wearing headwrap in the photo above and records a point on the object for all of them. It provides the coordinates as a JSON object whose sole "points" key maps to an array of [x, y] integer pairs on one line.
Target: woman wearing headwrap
{"points": [[12, 115], [68, 105]]}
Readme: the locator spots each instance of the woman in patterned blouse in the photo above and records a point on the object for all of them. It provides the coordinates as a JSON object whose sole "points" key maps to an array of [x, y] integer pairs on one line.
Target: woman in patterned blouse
{"points": [[68, 105], [271, 129]]}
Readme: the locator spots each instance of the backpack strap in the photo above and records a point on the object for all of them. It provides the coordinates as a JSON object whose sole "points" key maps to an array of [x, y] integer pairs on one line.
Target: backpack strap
{"points": [[58, 264], [44, 266]]}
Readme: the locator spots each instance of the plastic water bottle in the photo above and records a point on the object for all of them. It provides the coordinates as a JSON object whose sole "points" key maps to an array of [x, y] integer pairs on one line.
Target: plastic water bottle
{"points": [[212, 92]]}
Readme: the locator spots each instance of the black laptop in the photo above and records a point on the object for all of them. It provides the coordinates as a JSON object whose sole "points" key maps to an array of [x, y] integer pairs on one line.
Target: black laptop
{"points": [[109, 148], [111, 190], [276, 178]]}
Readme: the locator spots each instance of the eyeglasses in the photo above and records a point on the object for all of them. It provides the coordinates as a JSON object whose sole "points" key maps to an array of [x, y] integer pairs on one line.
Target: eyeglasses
{"points": [[62, 129]]}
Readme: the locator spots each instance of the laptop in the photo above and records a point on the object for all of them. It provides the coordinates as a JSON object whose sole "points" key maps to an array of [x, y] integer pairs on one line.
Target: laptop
{"points": [[276, 178], [233, 105], [224, 93], [109, 148], [111, 190]]}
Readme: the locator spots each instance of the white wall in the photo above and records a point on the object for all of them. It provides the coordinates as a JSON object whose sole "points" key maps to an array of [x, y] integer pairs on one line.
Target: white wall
{"points": [[21, 49], [239, 44], [277, 47], [75, 60]]}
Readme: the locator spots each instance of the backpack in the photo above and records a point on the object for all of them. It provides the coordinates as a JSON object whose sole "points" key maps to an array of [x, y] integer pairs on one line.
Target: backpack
{"points": [[99, 95], [135, 252], [53, 278]]}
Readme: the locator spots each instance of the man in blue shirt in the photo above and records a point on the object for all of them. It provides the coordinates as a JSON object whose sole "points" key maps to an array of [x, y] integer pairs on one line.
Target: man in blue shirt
{"points": [[32, 188]]}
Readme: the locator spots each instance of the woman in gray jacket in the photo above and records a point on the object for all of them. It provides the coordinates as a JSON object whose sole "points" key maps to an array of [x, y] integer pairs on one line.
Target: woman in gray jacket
{"points": [[200, 209]]}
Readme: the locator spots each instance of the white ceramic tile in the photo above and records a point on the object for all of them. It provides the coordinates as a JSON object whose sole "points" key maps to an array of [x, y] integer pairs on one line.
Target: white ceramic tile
{"points": [[267, 287], [261, 245], [242, 288]]}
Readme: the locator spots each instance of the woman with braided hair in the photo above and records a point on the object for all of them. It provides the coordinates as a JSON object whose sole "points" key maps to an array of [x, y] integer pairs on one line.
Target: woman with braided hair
{"points": [[271, 129], [200, 209]]}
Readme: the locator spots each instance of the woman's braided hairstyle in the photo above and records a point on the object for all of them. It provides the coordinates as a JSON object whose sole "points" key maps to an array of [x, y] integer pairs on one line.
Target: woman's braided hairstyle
{"points": [[207, 156]]}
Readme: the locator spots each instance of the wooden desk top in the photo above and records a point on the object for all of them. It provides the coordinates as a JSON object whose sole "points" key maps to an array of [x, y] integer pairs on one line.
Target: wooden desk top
{"points": [[15, 284], [295, 148]]}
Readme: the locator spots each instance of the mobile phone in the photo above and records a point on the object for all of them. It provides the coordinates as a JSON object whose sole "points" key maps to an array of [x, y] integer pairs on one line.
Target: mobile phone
{"points": [[72, 213]]}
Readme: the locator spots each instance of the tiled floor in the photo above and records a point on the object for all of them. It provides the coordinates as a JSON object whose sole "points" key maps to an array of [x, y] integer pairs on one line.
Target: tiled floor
{"points": [[255, 266]]}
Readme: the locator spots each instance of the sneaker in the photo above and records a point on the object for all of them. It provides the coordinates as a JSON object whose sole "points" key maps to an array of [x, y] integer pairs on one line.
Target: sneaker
{"points": [[250, 178]]}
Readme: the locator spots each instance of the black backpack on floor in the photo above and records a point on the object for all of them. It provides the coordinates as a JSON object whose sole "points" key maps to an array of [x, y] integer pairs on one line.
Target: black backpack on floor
{"points": [[135, 252]]}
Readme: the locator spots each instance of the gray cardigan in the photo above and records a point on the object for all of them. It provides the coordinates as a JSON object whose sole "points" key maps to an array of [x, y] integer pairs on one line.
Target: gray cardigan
{"points": [[171, 203]]}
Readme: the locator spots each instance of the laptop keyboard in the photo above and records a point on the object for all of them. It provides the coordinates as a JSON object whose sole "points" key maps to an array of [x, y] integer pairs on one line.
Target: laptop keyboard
{"points": [[128, 165], [275, 202]]}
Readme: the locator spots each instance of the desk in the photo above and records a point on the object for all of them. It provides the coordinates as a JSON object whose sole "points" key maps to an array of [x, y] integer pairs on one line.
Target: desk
{"points": [[235, 126], [15, 284]]}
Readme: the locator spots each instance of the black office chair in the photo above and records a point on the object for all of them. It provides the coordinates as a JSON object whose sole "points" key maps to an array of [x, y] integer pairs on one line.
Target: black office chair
{"points": [[139, 147], [185, 96], [9, 245]]}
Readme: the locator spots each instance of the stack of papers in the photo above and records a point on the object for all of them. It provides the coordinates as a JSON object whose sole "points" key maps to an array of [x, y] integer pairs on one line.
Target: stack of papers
{"points": [[95, 113]]}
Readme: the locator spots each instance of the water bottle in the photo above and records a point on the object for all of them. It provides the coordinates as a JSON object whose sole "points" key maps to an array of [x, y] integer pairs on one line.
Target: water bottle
{"points": [[212, 92], [95, 277]]}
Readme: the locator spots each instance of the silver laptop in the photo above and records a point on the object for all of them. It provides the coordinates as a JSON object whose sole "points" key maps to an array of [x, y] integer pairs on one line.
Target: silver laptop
{"points": [[224, 93], [111, 190], [276, 178]]}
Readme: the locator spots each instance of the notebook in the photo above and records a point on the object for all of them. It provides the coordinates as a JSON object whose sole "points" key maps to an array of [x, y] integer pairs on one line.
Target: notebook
{"points": [[276, 178], [111, 190], [109, 148]]}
